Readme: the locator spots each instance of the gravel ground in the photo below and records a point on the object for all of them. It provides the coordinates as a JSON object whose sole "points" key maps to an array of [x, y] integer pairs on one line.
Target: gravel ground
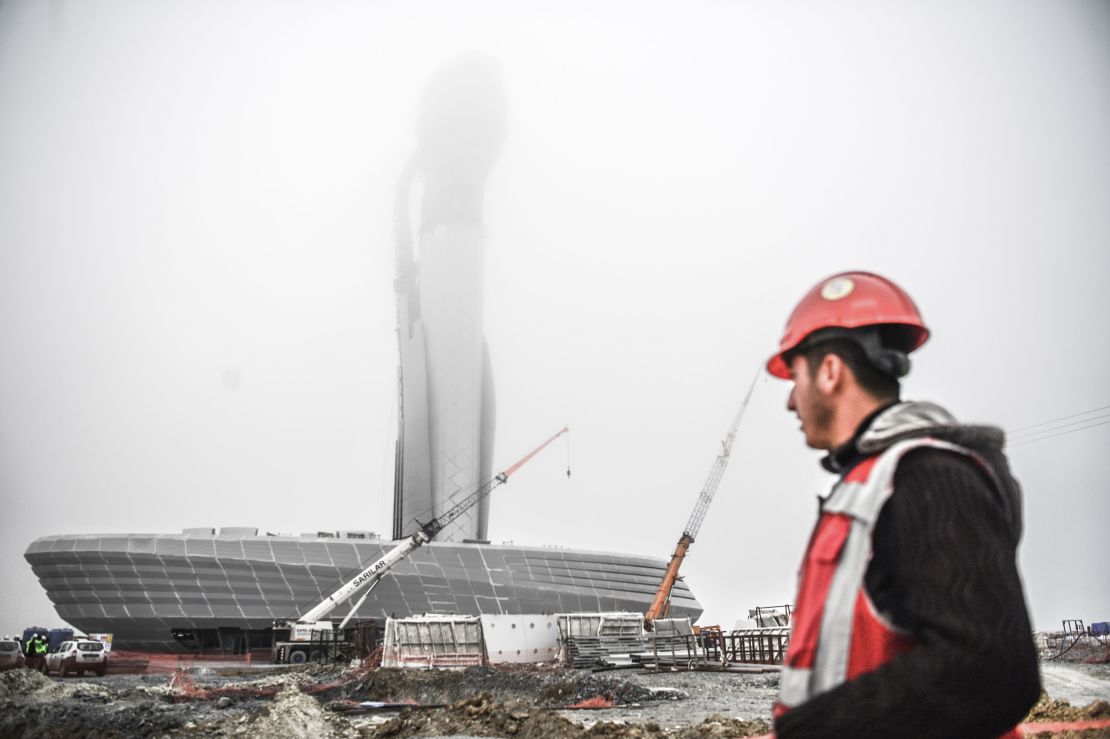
{"points": [[691, 697], [1078, 684], [478, 702]]}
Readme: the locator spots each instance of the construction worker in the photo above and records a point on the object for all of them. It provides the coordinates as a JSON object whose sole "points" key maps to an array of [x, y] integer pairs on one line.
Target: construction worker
{"points": [[910, 619], [39, 648], [29, 652]]}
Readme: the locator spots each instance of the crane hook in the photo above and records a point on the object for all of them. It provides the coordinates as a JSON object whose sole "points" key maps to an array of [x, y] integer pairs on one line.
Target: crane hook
{"points": [[568, 455]]}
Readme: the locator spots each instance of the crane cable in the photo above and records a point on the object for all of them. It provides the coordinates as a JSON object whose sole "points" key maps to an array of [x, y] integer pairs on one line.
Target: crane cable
{"points": [[568, 455]]}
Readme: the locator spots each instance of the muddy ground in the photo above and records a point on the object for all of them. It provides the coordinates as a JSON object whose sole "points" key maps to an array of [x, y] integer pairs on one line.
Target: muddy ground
{"points": [[521, 702]]}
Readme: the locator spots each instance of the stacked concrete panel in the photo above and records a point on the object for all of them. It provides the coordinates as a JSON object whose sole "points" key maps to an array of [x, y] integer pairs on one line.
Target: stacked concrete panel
{"points": [[140, 586], [433, 641]]}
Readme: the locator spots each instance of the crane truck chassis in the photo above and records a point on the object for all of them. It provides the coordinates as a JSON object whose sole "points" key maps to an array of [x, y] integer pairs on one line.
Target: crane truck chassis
{"points": [[314, 637], [329, 644]]}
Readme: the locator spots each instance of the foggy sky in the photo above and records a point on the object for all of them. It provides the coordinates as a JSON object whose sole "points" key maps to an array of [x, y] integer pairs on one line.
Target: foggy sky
{"points": [[196, 261]]}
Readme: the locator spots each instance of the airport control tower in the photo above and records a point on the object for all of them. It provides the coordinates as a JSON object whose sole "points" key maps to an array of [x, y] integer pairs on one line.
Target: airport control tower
{"points": [[445, 385]]}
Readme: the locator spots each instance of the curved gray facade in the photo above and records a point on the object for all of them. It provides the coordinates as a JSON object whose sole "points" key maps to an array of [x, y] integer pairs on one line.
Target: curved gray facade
{"points": [[141, 586]]}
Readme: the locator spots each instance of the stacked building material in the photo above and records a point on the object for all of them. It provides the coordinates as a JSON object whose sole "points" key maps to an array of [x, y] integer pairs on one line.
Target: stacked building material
{"points": [[601, 639], [433, 641]]}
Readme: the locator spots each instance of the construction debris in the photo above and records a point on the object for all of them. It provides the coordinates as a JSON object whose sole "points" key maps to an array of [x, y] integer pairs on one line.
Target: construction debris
{"points": [[520, 701], [1048, 709], [1059, 719], [325, 702]]}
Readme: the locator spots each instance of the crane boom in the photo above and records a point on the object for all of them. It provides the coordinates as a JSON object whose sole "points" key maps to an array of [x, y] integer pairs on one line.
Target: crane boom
{"points": [[370, 576], [659, 604], [437, 524], [717, 471]]}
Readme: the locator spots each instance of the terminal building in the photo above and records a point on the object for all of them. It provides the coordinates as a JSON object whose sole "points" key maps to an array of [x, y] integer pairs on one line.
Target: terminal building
{"points": [[207, 590]]}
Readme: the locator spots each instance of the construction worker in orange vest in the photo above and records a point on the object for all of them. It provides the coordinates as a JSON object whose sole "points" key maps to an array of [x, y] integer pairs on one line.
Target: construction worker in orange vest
{"points": [[910, 619]]}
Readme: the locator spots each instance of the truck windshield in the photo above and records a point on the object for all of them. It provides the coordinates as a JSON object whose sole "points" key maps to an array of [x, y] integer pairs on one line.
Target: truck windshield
{"points": [[7, 646]]}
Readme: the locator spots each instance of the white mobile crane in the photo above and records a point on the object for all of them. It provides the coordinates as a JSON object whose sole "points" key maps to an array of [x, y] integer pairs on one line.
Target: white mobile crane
{"points": [[296, 648], [661, 603]]}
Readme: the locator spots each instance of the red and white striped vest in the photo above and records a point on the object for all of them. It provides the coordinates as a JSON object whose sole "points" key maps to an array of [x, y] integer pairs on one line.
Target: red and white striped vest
{"points": [[837, 633]]}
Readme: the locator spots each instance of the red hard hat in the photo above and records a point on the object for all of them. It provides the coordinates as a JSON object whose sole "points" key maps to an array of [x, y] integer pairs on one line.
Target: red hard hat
{"points": [[850, 300]]}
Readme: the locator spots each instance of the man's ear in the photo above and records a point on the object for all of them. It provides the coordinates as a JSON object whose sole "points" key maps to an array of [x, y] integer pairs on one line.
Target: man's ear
{"points": [[830, 374]]}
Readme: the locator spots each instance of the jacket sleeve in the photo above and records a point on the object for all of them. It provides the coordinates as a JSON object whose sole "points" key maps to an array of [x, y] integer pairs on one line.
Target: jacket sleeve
{"points": [[944, 568]]}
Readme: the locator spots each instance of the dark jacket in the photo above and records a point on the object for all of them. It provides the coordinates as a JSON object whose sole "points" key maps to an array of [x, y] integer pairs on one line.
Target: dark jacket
{"points": [[943, 568]]}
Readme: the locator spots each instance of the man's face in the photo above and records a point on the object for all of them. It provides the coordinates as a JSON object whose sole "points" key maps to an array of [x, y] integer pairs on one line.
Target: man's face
{"points": [[813, 409]]}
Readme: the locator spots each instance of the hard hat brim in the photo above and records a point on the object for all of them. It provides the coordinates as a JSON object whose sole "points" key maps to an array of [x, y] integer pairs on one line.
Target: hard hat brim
{"points": [[776, 366]]}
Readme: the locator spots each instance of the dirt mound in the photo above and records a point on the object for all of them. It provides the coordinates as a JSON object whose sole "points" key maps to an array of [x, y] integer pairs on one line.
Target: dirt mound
{"points": [[84, 713], [547, 689], [32, 685], [721, 726], [34, 705], [1048, 709], [481, 716], [21, 682], [292, 714]]}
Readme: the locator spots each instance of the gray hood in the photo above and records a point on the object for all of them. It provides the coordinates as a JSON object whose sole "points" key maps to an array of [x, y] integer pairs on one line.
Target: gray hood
{"points": [[913, 419]]}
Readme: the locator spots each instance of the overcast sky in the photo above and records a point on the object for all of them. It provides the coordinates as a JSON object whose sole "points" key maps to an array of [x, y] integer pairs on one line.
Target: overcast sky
{"points": [[196, 262]]}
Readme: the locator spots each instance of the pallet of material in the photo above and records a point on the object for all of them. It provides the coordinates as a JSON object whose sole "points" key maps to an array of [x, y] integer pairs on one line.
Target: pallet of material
{"points": [[594, 651]]}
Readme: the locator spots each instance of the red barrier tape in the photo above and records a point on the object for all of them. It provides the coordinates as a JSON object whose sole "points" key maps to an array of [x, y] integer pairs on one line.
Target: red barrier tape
{"points": [[1033, 729], [1062, 726], [122, 661]]}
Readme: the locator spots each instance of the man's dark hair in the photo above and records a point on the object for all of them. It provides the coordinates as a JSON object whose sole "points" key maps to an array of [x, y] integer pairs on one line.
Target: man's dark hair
{"points": [[849, 346]]}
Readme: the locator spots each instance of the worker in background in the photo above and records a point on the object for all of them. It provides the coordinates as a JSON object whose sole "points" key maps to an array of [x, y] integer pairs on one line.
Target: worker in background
{"points": [[910, 619], [31, 652], [39, 647]]}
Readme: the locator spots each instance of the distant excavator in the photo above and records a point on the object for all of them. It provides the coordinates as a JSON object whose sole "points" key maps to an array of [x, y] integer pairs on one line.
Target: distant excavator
{"points": [[661, 603]]}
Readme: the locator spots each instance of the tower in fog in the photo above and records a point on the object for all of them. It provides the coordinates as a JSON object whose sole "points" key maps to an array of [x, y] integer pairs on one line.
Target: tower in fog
{"points": [[445, 385]]}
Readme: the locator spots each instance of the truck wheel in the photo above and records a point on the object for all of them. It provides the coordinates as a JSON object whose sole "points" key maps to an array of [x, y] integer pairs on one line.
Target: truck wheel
{"points": [[298, 657]]}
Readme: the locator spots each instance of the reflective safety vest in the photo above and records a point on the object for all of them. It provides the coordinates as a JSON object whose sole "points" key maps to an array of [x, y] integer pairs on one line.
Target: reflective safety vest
{"points": [[837, 634], [40, 647]]}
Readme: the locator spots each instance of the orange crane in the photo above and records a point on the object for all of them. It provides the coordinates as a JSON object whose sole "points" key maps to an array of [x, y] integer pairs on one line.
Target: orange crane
{"points": [[661, 603]]}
